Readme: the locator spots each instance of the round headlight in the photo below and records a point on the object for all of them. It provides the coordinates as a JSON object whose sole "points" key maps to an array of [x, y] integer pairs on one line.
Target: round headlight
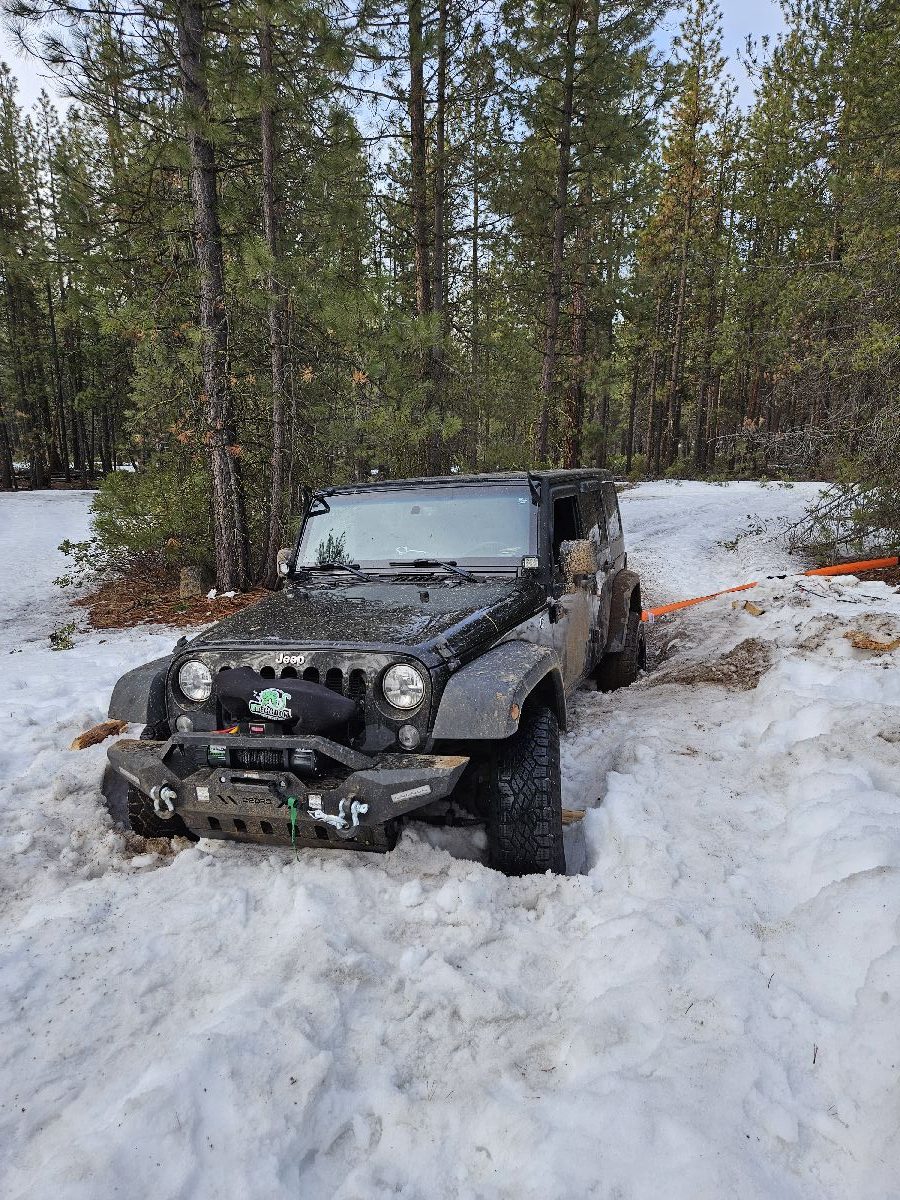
{"points": [[403, 686], [195, 680]]}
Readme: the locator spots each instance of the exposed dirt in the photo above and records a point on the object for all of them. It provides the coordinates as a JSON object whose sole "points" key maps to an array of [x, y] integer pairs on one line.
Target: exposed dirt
{"points": [[875, 633], [741, 668], [151, 598], [889, 575]]}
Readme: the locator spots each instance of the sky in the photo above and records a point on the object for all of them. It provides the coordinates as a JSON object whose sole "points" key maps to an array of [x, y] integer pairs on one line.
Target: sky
{"points": [[740, 18]]}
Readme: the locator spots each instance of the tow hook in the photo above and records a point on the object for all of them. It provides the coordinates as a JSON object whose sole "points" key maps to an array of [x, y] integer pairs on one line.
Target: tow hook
{"points": [[164, 799], [338, 819]]}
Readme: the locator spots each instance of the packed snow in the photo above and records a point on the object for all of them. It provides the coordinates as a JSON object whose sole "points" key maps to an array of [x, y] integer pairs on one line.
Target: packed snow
{"points": [[709, 1007]]}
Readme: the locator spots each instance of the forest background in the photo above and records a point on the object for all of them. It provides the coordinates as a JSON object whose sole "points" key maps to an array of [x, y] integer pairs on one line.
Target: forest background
{"points": [[265, 245]]}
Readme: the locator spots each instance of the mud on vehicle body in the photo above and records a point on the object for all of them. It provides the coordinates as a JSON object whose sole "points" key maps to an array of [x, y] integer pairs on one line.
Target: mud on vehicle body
{"points": [[424, 643]]}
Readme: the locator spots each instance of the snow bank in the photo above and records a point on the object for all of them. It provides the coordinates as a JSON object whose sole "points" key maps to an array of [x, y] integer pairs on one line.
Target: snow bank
{"points": [[709, 1010]]}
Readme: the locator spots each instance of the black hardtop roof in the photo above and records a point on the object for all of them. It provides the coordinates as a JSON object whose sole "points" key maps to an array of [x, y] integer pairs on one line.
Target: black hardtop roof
{"points": [[576, 475]]}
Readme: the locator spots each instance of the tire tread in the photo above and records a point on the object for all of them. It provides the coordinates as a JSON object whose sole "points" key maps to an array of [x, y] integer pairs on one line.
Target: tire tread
{"points": [[622, 668], [144, 821], [525, 818]]}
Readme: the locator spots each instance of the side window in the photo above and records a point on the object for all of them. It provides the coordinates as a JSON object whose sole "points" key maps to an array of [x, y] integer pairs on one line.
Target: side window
{"points": [[593, 519], [565, 523], [611, 504]]}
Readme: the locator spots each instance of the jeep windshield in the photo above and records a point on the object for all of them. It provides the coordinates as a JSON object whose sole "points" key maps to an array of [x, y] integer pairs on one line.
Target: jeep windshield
{"points": [[488, 526]]}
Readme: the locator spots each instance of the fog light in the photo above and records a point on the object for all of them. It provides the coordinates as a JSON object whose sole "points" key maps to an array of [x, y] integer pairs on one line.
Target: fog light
{"points": [[184, 725], [408, 736]]}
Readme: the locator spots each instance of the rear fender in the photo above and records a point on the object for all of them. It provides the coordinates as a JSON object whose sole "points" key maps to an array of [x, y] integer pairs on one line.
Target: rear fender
{"points": [[625, 599], [484, 700]]}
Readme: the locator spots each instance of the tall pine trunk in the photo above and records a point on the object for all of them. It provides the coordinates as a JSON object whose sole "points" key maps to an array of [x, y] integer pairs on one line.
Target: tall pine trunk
{"points": [[673, 414], [229, 524], [558, 237], [275, 304], [439, 242], [7, 471], [654, 419], [440, 190], [419, 186], [574, 406], [632, 408]]}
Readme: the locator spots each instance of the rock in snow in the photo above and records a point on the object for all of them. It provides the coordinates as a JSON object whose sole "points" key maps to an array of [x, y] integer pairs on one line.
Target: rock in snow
{"points": [[710, 1009]]}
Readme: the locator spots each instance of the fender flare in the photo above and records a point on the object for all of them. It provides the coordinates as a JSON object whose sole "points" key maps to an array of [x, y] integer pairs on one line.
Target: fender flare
{"points": [[625, 599], [483, 701], [139, 696]]}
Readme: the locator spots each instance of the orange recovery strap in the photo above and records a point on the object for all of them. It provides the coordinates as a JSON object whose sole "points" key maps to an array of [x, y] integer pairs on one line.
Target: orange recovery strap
{"points": [[871, 564]]}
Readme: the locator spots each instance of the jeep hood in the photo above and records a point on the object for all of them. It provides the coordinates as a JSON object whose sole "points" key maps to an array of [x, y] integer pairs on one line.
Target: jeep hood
{"points": [[382, 613]]}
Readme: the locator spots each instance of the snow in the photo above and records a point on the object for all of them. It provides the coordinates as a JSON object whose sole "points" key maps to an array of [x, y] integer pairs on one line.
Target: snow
{"points": [[709, 1009]]}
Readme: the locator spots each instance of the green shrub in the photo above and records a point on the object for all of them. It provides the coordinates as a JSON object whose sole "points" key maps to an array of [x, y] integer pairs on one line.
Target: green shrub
{"points": [[64, 637], [159, 514]]}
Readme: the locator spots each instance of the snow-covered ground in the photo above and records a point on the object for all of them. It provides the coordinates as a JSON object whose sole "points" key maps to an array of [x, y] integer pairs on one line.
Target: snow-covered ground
{"points": [[710, 1010]]}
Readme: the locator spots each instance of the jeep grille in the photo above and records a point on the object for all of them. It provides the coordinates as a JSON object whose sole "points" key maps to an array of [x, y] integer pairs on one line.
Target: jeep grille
{"points": [[349, 673]]}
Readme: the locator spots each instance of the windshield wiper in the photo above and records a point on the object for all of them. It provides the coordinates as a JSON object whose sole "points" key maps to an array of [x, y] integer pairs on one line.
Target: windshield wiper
{"points": [[352, 568], [448, 565]]}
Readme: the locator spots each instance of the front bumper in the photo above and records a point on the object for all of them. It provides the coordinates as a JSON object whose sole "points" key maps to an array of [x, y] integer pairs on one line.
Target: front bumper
{"points": [[350, 805]]}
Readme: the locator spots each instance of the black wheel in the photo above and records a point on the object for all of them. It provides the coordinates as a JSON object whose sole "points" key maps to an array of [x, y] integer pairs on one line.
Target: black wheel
{"points": [[524, 825], [621, 669], [143, 819]]}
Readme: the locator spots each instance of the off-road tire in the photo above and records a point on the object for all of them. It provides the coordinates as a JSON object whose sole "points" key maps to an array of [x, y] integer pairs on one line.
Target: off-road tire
{"points": [[143, 819], [620, 669], [524, 826]]}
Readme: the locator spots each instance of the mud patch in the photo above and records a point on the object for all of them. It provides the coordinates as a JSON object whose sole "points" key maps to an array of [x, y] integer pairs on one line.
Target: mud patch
{"points": [[740, 669], [888, 575], [136, 846], [878, 633], [822, 629]]}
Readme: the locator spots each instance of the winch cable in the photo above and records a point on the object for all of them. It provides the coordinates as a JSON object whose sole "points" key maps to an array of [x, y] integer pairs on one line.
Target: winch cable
{"points": [[871, 564]]}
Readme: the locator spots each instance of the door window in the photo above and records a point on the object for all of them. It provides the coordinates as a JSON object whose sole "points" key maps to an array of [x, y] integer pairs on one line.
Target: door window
{"points": [[611, 505], [593, 518], [565, 523]]}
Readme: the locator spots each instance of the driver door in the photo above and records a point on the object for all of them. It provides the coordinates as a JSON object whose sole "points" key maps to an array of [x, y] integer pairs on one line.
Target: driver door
{"points": [[574, 609], [596, 529]]}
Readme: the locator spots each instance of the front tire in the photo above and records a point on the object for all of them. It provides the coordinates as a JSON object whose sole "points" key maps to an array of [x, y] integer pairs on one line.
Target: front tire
{"points": [[621, 669], [525, 834], [143, 819]]}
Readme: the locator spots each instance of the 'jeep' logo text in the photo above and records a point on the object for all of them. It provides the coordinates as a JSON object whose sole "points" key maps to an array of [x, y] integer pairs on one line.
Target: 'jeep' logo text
{"points": [[294, 659]]}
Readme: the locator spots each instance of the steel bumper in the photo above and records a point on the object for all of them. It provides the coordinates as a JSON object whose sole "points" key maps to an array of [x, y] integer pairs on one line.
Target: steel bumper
{"points": [[260, 805]]}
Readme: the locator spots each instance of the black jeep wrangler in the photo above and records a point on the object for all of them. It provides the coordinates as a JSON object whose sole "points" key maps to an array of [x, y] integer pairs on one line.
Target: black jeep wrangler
{"points": [[424, 643]]}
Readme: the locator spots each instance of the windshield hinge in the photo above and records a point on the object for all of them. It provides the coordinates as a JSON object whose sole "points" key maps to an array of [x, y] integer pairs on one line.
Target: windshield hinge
{"points": [[446, 653]]}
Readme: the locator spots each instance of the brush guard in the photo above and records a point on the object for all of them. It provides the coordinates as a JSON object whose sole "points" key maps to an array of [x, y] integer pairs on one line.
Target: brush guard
{"points": [[351, 805]]}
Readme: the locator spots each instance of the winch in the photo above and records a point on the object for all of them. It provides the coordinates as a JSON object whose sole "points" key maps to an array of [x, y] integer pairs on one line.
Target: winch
{"points": [[291, 705]]}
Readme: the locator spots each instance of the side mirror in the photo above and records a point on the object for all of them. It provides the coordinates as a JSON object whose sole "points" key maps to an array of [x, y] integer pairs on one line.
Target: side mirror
{"points": [[283, 561]]}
